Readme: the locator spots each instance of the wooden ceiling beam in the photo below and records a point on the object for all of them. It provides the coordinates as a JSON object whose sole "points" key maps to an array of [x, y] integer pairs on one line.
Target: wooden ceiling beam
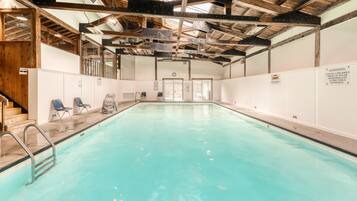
{"points": [[180, 15], [263, 6], [52, 32]]}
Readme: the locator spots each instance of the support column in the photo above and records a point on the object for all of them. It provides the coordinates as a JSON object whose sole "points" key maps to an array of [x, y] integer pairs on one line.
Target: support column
{"points": [[36, 38], [317, 47], [269, 60], [81, 52], [119, 66], [155, 68], [245, 67], [2, 27], [230, 70], [189, 70], [102, 62]]}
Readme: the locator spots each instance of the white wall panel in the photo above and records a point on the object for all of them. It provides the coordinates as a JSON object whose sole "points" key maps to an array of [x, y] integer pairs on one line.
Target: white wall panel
{"points": [[294, 55], [72, 87], [166, 68], [258, 64], [337, 106], [45, 86], [144, 68], [338, 43], [59, 60], [237, 69], [301, 96]]}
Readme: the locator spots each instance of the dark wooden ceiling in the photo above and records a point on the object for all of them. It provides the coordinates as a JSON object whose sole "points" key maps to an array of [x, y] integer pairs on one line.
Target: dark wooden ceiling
{"points": [[227, 34]]}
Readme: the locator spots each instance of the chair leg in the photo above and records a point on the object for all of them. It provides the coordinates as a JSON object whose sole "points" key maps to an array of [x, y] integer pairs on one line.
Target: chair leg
{"points": [[62, 115]]}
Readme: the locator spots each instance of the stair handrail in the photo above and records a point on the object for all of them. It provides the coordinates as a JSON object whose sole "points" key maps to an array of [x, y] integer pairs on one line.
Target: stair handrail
{"points": [[44, 135], [25, 148], [4, 102]]}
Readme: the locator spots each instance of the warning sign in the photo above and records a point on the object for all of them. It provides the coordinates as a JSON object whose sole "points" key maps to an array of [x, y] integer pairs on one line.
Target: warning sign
{"points": [[338, 76]]}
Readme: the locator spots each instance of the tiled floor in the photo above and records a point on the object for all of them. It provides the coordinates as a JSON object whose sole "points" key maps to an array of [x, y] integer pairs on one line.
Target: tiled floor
{"points": [[61, 130], [342, 143], [57, 131]]}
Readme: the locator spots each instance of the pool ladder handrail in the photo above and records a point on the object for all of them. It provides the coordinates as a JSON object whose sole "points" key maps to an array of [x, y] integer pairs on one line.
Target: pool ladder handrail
{"points": [[36, 168], [24, 147]]}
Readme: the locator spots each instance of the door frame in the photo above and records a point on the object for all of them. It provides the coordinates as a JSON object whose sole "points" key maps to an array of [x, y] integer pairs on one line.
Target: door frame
{"points": [[211, 95], [173, 79]]}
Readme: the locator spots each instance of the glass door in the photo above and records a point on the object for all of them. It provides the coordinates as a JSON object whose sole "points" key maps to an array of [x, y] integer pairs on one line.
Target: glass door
{"points": [[202, 89], [173, 89]]}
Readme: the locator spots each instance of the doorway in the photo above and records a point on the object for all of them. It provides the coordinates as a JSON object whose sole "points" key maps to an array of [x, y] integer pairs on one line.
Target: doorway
{"points": [[173, 89], [202, 89]]}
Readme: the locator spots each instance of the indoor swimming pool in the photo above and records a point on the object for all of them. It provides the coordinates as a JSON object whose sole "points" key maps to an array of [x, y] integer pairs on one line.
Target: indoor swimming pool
{"points": [[187, 152]]}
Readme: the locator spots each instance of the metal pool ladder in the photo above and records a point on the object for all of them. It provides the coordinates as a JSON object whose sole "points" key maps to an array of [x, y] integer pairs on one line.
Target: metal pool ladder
{"points": [[40, 168]]}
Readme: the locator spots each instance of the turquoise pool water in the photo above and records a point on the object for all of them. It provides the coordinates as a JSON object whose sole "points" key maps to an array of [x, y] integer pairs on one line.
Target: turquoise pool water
{"points": [[188, 152]]}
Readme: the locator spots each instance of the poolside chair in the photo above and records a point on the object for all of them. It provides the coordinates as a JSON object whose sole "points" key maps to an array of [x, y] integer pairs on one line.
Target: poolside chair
{"points": [[109, 104], [78, 103], [59, 107], [160, 95]]}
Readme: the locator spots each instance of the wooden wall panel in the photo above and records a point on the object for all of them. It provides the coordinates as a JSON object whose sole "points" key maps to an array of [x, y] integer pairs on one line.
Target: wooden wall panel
{"points": [[14, 55]]}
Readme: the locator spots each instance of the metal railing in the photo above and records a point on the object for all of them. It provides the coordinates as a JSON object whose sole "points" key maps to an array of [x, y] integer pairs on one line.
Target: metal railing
{"points": [[26, 149], [43, 165], [4, 101]]}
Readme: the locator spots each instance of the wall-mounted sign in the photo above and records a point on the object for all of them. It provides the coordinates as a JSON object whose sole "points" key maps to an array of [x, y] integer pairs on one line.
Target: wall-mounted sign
{"points": [[338, 76], [275, 78], [23, 71]]}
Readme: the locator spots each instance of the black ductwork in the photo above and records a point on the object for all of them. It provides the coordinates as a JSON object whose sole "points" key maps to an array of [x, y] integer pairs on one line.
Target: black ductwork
{"points": [[151, 7], [44, 2]]}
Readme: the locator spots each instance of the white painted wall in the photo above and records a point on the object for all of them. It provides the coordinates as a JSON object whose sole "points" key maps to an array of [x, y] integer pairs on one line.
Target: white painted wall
{"points": [[127, 67], [294, 55], [59, 60], [338, 43], [257, 64], [302, 93], [237, 70], [166, 68], [46, 85]]}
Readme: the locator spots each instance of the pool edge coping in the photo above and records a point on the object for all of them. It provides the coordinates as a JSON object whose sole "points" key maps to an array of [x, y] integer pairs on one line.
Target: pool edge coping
{"points": [[45, 148], [292, 131]]}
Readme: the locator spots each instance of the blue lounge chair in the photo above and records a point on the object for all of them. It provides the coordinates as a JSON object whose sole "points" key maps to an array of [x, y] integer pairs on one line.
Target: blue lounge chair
{"points": [[79, 103], [59, 107]]}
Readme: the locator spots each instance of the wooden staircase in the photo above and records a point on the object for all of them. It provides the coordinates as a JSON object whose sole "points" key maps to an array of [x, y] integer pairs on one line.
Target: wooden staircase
{"points": [[15, 119]]}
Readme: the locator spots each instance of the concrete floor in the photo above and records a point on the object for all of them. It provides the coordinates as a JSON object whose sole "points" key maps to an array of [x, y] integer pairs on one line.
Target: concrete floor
{"points": [[61, 130]]}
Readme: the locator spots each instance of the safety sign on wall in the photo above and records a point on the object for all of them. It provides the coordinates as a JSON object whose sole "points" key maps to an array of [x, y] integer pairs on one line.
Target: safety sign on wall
{"points": [[338, 76]]}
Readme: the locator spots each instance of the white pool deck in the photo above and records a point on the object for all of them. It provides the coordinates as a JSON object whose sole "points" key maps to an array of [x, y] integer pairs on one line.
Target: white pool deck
{"points": [[59, 131]]}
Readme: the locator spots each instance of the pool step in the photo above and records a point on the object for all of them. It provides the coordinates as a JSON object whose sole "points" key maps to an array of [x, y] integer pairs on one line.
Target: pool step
{"points": [[44, 166]]}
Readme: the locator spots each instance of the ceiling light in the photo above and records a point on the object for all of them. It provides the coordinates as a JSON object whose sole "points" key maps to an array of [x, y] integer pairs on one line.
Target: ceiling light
{"points": [[112, 20], [21, 18], [58, 35]]}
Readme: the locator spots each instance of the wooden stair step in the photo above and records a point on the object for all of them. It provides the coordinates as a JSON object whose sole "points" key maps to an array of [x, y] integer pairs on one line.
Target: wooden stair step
{"points": [[9, 105], [11, 111]]}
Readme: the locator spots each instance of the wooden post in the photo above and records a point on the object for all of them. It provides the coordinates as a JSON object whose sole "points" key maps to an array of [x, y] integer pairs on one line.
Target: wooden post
{"points": [[36, 38], [317, 47], [81, 53], [245, 67], [155, 68], [230, 71], [119, 66], [189, 70], [2, 27], [102, 61], [269, 60], [115, 66]]}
